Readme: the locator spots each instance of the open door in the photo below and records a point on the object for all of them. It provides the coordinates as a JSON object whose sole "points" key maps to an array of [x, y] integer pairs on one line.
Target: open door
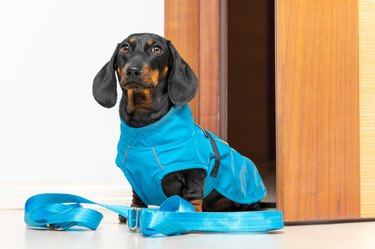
{"points": [[319, 97], [198, 31], [230, 46]]}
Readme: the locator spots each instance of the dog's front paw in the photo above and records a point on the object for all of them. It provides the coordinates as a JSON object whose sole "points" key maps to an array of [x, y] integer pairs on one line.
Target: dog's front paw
{"points": [[122, 219], [197, 205]]}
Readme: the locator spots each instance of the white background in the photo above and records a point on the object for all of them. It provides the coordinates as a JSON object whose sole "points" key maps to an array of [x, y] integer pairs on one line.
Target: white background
{"points": [[53, 135]]}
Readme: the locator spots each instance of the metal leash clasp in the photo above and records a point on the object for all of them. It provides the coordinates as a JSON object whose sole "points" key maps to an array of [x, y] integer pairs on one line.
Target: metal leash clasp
{"points": [[53, 227], [133, 220], [60, 227]]}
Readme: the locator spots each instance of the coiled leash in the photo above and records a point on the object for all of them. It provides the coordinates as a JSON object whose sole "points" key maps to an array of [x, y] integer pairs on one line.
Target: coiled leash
{"points": [[175, 216]]}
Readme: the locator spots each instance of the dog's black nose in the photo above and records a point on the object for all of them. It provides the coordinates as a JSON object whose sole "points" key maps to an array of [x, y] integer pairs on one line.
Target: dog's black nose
{"points": [[133, 73]]}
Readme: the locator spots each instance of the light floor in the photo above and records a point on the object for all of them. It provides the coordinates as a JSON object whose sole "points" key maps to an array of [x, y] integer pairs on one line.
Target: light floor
{"points": [[110, 234]]}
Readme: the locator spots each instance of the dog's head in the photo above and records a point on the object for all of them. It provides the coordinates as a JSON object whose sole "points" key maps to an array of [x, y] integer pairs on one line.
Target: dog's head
{"points": [[145, 61]]}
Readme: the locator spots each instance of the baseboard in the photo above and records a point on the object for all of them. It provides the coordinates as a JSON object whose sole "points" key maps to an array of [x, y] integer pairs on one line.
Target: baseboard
{"points": [[13, 195]]}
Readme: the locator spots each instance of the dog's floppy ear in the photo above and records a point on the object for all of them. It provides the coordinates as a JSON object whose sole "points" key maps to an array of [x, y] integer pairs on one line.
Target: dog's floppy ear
{"points": [[104, 87], [182, 82]]}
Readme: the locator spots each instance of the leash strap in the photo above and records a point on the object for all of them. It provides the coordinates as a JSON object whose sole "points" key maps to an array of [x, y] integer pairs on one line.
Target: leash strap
{"points": [[175, 216]]}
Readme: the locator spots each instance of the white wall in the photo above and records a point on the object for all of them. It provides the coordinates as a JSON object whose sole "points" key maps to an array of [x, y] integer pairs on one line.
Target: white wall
{"points": [[53, 135]]}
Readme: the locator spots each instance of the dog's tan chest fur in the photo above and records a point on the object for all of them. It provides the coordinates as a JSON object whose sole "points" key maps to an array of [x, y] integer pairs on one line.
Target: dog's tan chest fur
{"points": [[139, 100]]}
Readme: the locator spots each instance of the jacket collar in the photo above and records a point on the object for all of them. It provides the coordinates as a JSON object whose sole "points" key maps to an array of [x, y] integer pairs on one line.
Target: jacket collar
{"points": [[176, 125]]}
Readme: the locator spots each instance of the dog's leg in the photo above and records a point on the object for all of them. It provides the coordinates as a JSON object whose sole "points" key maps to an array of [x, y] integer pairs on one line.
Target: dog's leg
{"points": [[137, 203], [197, 204], [193, 189]]}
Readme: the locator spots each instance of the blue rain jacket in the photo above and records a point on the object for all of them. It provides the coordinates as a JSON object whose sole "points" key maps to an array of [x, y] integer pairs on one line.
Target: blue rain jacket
{"points": [[175, 143]]}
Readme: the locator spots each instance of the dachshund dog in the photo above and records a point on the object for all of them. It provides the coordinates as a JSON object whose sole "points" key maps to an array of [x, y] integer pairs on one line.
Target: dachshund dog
{"points": [[156, 86]]}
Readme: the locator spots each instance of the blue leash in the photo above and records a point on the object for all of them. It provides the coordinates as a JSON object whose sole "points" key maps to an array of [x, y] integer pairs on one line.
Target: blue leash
{"points": [[175, 216]]}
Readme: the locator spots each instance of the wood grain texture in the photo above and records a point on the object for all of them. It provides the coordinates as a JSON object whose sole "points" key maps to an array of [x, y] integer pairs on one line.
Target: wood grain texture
{"points": [[194, 28], [223, 70], [181, 27], [317, 112], [209, 65], [367, 105]]}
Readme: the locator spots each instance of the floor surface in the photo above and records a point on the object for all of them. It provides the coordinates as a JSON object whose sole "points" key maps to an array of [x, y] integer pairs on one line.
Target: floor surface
{"points": [[111, 235]]}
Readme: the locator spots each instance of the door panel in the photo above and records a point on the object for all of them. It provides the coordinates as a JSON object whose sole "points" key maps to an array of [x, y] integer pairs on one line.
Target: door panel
{"points": [[325, 96], [182, 29], [317, 112], [194, 28], [367, 105]]}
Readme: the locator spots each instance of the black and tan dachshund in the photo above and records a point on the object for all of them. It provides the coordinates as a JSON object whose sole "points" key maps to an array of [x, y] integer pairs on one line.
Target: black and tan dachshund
{"points": [[153, 78]]}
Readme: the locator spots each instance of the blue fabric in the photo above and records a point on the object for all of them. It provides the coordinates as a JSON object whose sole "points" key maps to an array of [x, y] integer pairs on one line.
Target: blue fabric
{"points": [[175, 216], [175, 143]]}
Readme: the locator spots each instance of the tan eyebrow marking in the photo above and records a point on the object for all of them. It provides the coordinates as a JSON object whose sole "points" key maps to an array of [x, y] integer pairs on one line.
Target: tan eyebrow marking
{"points": [[150, 42]]}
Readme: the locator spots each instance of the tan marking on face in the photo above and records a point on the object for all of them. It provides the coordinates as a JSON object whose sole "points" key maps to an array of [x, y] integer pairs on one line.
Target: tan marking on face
{"points": [[154, 75], [119, 72], [121, 75], [131, 39], [145, 73], [165, 71], [150, 42], [150, 76]]}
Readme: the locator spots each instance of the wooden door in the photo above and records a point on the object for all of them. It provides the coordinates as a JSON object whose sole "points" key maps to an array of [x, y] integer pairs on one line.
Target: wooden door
{"points": [[197, 29], [325, 98], [325, 109], [367, 106]]}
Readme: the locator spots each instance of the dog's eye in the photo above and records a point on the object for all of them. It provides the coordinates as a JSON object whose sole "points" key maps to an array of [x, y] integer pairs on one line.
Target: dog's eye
{"points": [[124, 49], [156, 50]]}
